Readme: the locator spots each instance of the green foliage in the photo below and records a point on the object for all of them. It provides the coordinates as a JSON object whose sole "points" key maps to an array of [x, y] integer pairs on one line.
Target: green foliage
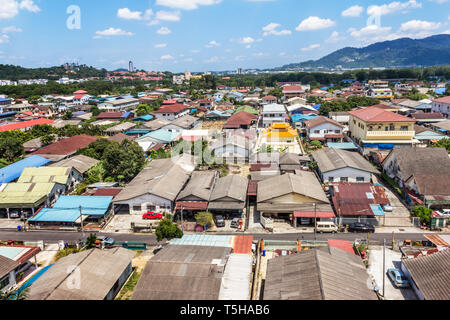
{"points": [[65, 252], [204, 218], [10, 148], [168, 230], [128, 288], [347, 105], [14, 295], [68, 115], [90, 241], [423, 213], [312, 165], [47, 139], [315, 144], [97, 148], [443, 143], [276, 92], [392, 183]]}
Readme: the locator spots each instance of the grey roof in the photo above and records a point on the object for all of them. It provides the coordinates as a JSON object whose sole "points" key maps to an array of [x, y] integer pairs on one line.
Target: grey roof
{"points": [[121, 127], [164, 178], [6, 266], [287, 158], [62, 123], [200, 185], [274, 107], [264, 174], [317, 275], [121, 101], [304, 183], [184, 122], [156, 124], [443, 125], [232, 186], [80, 162], [430, 274], [183, 273], [99, 271], [329, 159]]}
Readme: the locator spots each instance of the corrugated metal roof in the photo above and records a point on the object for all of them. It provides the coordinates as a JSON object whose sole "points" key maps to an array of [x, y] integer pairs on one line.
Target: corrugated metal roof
{"points": [[13, 171], [26, 195], [236, 280], [45, 174]]}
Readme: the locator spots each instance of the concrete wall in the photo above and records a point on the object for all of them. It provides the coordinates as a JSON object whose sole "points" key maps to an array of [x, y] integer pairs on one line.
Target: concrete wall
{"points": [[324, 129], [350, 173]]}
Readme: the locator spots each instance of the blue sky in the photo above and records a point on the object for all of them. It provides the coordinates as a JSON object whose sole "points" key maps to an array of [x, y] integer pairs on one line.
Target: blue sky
{"points": [[201, 35]]}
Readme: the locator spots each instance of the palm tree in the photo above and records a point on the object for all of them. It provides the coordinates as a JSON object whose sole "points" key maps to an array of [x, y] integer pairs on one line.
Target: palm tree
{"points": [[14, 295]]}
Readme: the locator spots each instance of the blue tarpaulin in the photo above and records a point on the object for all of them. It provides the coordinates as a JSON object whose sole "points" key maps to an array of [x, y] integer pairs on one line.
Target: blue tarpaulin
{"points": [[380, 146], [377, 210], [13, 171]]}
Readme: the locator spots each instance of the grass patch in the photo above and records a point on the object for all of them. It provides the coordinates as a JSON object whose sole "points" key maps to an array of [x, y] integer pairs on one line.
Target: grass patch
{"points": [[65, 252], [128, 288]]}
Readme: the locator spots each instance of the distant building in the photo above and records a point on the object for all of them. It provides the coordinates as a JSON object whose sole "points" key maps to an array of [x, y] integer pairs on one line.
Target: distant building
{"points": [[130, 66]]}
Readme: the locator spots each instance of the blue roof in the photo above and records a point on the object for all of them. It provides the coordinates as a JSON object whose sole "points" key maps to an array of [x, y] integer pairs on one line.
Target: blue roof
{"points": [[162, 135], [78, 113], [303, 117], [377, 210], [193, 111], [13, 171], [342, 145], [126, 115], [7, 114], [3, 99], [67, 208], [137, 131], [317, 106], [146, 117], [440, 90]]}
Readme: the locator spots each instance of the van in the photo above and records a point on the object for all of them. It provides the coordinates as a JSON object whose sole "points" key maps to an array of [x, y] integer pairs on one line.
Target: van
{"points": [[326, 226]]}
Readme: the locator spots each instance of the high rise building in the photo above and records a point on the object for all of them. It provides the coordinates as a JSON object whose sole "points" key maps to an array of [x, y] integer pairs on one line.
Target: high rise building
{"points": [[130, 66], [239, 71]]}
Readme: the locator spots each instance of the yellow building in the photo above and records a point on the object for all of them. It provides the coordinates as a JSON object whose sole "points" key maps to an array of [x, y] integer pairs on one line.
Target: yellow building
{"points": [[374, 125], [280, 132]]}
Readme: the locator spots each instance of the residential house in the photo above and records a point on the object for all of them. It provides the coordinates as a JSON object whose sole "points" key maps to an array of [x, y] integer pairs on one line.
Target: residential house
{"points": [[429, 117], [68, 177], [80, 163], [273, 113], [171, 112], [441, 105], [293, 91], [25, 125], [229, 196], [269, 100], [14, 170], [427, 136], [373, 127], [280, 133], [7, 273], [234, 147], [186, 122], [324, 129], [156, 187], [342, 117], [300, 109], [119, 105], [241, 120], [442, 127], [65, 147], [342, 165], [114, 116]]}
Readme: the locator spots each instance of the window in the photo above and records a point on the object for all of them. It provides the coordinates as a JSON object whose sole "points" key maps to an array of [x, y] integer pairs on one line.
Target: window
{"points": [[151, 207], [359, 179], [316, 131], [337, 131], [4, 282], [137, 208], [344, 179], [404, 128], [370, 128], [391, 127], [330, 179]]}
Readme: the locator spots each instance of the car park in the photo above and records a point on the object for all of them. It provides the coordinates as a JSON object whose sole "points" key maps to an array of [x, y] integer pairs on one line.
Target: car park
{"points": [[398, 278], [361, 227]]}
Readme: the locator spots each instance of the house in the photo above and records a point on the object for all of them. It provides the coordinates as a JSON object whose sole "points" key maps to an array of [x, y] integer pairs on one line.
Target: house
{"points": [[300, 109], [120, 128], [156, 187], [324, 129], [290, 162], [81, 98], [161, 136], [65, 147], [318, 274], [373, 127], [197, 192], [119, 105], [25, 125], [273, 113], [100, 275], [206, 103], [427, 136], [114, 116], [240, 120], [68, 177], [59, 124], [186, 122], [13, 171], [441, 105], [248, 109], [155, 124], [299, 120], [269, 100], [442, 127], [73, 212], [293, 91], [288, 194], [229, 196], [80, 163], [340, 116], [424, 174], [342, 165], [428, 275], [235, 95], [171, 112], [7, 273], [280, 132], [296, 100], [355, 202], [431, 117], [234, 147]]}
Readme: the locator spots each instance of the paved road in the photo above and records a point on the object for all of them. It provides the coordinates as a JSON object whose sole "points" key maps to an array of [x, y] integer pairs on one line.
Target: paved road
{"points": [[51, 236]]}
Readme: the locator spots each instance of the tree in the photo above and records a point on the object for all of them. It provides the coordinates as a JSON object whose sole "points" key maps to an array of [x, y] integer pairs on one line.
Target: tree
{"points": [[11, 148], [14, 295], [204, 218], [423, 213], [123, 161], [443, 143], [316, 144], [68, 115], [47, 139], [90, 241], [143, 109], [168, 230], [95, 111]]}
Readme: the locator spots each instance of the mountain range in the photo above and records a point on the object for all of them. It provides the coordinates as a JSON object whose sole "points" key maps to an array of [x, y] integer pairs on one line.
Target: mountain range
{"points": [[404, 52]]}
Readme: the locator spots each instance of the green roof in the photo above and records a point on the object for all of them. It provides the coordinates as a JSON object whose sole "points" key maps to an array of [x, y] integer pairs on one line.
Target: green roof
{"points": [[247, 109], [45, 174], [26, 195]]}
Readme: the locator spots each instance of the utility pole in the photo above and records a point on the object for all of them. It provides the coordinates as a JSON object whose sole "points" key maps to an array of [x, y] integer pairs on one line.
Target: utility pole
{"points": [[182, 227], [81, 221], [315, 222], [384, 265]]}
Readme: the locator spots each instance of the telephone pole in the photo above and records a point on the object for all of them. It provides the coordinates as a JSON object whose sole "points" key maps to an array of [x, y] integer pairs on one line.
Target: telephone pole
{"points": [[384, 265], [315, 222]]}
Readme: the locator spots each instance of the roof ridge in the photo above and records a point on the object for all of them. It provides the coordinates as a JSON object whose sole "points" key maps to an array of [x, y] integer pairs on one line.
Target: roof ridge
{"points": [[319, 274]]}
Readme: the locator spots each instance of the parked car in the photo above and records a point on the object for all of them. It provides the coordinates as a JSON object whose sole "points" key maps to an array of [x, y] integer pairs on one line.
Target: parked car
{"points": [[235, 223], [14, 214], [361, 227], [152, 216], [398, 277], [387, 208], [326, 226], [219, 221], [106, 240]]}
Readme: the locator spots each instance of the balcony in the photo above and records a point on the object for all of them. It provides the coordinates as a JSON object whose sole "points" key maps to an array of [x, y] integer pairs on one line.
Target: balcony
{"points": [[390, 134]]}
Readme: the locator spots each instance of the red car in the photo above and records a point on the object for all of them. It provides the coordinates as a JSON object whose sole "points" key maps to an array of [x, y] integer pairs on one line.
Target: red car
{"points": [[152, 216]]}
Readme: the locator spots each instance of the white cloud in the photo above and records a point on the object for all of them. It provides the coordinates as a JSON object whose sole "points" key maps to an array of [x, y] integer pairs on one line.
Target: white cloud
{"points": [[29, 5], [418, 25], [112, 32], [270, 29], [334, 37], [11, 29], [163, 31], [167, 57], [4, 38], [246, 40], [168, 15], [372, 33], [392, 7], [161, 45], [314, 23], [311, 47], [186, 4], [125, 13], [352, 12], [212, 43], [10, 8]]}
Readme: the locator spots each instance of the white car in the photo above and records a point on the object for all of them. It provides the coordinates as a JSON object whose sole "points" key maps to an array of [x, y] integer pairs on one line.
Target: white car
{"points": [[387, 208]]}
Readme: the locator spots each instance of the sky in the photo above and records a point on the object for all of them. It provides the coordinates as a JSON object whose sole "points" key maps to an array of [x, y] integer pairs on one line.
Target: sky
{"points": [[204, 35]]}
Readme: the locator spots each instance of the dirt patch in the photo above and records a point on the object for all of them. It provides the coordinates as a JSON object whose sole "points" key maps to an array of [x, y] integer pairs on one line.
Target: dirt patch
{"points": [[212, 125]]}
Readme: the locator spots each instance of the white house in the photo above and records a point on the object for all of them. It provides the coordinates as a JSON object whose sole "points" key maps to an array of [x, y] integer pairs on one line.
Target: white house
{"points": [[324, 129], [7, 273], [273, 113], [441, 105], [171, 112], [119, 105]]}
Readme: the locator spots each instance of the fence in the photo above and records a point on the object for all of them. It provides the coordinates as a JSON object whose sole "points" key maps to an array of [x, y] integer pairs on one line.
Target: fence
{"points": [[267, 223]]}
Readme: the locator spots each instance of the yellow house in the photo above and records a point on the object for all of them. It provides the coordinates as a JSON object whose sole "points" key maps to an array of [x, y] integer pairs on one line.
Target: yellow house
{"points": [[280, 132], [374, 125]]}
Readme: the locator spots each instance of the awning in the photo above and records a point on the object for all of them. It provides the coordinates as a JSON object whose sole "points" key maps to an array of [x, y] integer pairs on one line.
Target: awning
{"points": [[191, 205], [310, 214], [252, 188]]}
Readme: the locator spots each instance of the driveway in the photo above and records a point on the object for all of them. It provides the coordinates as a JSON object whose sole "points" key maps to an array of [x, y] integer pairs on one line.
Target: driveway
{"points": [[393, 260]]}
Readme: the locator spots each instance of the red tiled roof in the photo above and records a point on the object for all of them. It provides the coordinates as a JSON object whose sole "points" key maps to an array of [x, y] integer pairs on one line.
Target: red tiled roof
{"points": [[110, 115], [269, 98], [443, 100], [242, 118], [319, 120], [376, 114], [242, 244], [67, 146], [263, 166], [107, 192], [80, 92], [288, 89], [78, 96], [169, 102], [25, 124], [342, 245], [252, 188], [173, 108], [192, 205]]}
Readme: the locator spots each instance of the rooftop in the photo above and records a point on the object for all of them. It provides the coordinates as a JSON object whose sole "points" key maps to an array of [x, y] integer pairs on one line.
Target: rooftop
{"points": [[67, 146], [329, 159], [375, 114]]}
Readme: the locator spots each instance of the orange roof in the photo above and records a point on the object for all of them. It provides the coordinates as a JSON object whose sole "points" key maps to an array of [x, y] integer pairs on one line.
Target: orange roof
{"points": [[242, 244], [280, 130], [25, 124], [319, 120], [376, 114]]}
